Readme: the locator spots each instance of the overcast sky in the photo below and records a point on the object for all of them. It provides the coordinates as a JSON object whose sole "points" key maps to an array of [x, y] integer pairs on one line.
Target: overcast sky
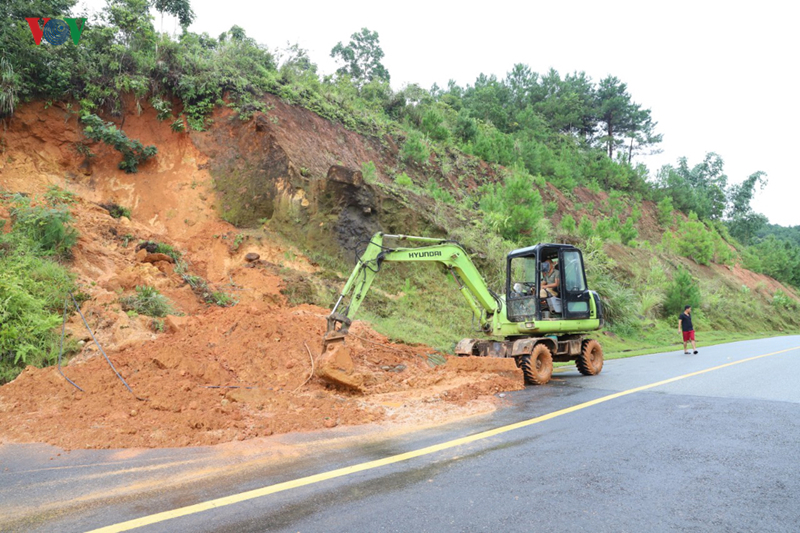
{"points": [[718, 76]]}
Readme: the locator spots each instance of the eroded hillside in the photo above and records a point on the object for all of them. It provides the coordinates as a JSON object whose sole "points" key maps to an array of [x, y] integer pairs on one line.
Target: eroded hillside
{"points": [[249, 207], [214, 374]]}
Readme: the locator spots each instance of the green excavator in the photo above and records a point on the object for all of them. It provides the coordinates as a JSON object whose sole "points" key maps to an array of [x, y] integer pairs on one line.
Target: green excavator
{"points": [[543, 317]]}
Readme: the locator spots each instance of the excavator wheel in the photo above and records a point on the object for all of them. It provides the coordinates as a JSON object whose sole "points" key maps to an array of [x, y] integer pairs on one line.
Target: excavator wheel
{"points": [[538, 366], [590, 361]]}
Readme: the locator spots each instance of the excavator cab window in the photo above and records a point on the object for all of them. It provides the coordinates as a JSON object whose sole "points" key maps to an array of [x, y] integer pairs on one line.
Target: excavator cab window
{"points": [[551, 272], [522, 298], [574, 294]]}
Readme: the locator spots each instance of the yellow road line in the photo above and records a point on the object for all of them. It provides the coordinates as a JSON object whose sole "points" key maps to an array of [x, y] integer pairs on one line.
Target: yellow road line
{"points": [[316, 478]]}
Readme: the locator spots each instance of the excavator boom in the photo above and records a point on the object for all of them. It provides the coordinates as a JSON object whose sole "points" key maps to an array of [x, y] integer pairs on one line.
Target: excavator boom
{"points": [[483, 302], [336, 365]]}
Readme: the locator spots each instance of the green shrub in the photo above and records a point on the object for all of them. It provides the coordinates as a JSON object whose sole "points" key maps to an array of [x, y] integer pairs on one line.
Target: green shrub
{"points": [[515, 208], [33, 289], [57, 196], [46, 229], [162, 107], [628, 232], [775, 257], [568, 224], [404, 180], [201, 288], [178, 125], [723, 254], [162, 248], [695, 241], [133, 151], [780, 299], [466, 127], [585, 228], [222, 299], [669, 242], [438, 193], [494, 146], [433, 125], [665, 209], [649, 303], [25, 331], [605, 229], [683, 291], [550, 209], [8, 88], [147, 301], [415, 149], [369, 171]]}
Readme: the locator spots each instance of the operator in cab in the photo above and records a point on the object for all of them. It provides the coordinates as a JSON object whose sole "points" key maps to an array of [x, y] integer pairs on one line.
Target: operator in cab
{"points": [[550, 279]]}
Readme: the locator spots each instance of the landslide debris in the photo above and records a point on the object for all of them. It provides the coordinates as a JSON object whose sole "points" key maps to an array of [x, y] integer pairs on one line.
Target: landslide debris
{"points": [[239, 373]]}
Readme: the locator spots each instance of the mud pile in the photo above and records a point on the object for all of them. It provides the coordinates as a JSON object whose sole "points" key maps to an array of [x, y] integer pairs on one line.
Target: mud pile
{"points": [[239, 373]]}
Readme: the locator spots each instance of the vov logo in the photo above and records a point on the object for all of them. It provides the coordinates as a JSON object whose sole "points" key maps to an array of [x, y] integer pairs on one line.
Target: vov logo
{"points": [[56, 31]]}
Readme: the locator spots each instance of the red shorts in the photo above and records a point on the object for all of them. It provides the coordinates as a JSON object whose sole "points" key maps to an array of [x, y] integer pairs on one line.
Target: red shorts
{"points": [[688, 336]]}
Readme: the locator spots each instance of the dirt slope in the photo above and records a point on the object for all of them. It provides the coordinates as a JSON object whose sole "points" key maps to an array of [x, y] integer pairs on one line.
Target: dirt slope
{"points": [[216, 374]]}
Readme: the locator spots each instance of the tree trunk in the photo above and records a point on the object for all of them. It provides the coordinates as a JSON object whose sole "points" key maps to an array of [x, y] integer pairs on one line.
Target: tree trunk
{"points": [[630, 152]]}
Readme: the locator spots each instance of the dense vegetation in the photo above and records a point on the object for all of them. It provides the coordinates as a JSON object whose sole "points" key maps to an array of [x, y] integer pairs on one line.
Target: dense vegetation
{"points": [[532, 128], [569, 129], [34, 283]]}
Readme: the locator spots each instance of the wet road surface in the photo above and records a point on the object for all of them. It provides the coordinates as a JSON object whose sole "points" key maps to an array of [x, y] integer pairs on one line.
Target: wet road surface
{"points": [[632, 449]]}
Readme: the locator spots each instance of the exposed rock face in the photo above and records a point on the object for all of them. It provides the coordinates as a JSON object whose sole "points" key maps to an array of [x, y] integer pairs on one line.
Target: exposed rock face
{"points": [[271, 168]]}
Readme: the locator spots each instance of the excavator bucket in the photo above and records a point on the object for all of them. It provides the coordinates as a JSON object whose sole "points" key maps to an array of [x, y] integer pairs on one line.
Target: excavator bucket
{"points": [[335, 365]]}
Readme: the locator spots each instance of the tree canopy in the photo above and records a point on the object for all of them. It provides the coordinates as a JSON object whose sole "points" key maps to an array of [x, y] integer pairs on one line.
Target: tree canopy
{"points": [[361, 57]]}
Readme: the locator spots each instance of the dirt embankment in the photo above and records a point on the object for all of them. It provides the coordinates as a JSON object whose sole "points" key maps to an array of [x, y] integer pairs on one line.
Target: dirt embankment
{"points": [[215, 374], [234, 374]]}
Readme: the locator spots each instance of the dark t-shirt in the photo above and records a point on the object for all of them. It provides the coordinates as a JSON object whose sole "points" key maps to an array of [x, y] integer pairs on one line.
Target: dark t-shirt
{"points": [[686, 322]]}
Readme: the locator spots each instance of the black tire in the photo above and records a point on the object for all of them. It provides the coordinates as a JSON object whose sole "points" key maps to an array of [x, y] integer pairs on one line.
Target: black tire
{"points": [[538, 366], [590, 361]]}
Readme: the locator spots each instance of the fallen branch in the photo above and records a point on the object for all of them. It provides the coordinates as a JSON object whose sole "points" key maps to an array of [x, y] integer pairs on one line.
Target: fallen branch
{"points": [[312, 368]]}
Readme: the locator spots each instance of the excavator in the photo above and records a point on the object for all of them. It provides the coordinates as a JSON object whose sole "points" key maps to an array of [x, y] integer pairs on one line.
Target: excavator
{"points": [[533, 324]]}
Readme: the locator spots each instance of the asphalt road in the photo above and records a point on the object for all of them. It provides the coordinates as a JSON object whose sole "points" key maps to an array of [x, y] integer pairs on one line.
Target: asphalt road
{"points": [[665, 442]]}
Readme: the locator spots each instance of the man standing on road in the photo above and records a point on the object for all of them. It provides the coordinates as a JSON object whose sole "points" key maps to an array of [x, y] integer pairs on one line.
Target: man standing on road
{"points": [[685, 327]]}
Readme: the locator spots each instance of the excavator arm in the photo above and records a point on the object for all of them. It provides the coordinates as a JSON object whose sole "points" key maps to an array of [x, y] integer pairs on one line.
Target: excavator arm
{"points": [[483, 302]]}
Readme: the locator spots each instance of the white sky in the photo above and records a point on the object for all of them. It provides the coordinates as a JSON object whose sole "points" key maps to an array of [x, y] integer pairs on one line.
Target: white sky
{"points": [[717, 76]]}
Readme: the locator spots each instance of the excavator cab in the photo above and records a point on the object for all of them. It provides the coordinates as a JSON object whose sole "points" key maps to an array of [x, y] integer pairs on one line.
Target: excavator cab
{"points": [[530, 268]]}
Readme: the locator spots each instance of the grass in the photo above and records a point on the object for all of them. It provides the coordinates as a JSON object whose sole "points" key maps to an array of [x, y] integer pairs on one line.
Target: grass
{"points": [[167, 249], [147, 301], [710, 338], [33, 283], [201, 288]]}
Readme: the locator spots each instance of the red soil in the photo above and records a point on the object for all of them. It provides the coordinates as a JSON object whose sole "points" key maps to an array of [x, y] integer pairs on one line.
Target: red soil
{"points": [[186, 375]]}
